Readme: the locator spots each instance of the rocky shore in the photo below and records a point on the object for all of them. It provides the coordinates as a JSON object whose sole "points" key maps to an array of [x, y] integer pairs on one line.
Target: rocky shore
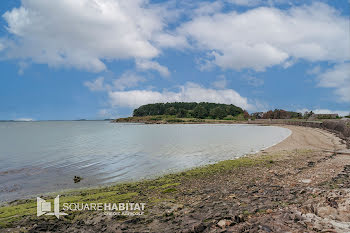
{"points": [[300, 185]]}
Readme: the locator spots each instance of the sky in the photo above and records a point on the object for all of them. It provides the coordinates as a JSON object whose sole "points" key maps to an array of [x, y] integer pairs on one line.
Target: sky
{"points": [[97, 59]]}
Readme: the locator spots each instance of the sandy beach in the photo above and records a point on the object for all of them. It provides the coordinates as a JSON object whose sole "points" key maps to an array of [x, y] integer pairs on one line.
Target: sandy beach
{"points": [[308, 138], [294, 186]]}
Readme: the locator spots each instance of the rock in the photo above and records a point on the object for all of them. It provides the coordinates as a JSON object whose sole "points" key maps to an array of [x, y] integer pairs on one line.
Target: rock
{"points": [[239, 218], [306, 181], [223, 223], [77, 179], [269, 211], [174, 208], [265, 228], [311, 164], [329, 231], [327, 211], [198, 228]]}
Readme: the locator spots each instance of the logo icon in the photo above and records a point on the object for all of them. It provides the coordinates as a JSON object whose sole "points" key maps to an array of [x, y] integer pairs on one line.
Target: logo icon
{"points": [[44, 207]]}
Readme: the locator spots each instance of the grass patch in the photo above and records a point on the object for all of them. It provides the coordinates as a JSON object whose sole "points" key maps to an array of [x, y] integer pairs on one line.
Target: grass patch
{"points": [[169, 185], [169, 190]]}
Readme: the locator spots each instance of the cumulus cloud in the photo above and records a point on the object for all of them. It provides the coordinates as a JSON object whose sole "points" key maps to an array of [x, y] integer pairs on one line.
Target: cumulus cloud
{"points": [[314, 70], [96, 85], [152, 65], [188, 93], [338, 78], [265, 36], [168, 40], [245, 2], [22, 67], [84, 33], [127, 80], [207, 8]]}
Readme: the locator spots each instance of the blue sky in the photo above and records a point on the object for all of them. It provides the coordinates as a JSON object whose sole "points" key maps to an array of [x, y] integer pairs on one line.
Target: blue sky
{"points": [[100, 59]]}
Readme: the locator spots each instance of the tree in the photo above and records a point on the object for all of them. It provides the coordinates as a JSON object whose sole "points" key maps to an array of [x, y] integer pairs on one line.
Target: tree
{"points": [[200, 112], [246, 115], [268, 115], [218, 113], [233, 110], [184, 109], [170, 111], [181, 113]]}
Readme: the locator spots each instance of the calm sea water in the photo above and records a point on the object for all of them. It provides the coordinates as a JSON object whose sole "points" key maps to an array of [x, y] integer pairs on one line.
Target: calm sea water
{"points": [[41, 157]]}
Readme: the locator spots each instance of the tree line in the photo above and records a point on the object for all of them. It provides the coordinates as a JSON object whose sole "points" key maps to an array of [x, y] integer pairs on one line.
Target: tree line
{"points": [[191, 110], [213, 111], [277, 114]]}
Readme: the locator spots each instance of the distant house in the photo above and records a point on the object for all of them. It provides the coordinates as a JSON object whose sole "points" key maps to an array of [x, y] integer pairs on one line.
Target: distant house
{"points": [[257, 115], [323, 116]]}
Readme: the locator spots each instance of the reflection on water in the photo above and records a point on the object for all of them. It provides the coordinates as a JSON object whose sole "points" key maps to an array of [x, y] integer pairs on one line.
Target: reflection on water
{"points": [[39, 157]]}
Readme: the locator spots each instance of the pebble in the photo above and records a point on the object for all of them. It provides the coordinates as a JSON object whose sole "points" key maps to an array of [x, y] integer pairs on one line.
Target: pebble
{"points": [[269, 211], [306, 181], [232, 196], [223, 223]]}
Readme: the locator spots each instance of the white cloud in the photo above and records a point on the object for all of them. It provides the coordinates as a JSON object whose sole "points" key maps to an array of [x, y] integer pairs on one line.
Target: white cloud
{"points": [[207, 8], [289, 63], [339, 78], [96, 85], [24, 119], [266, 36], [22, 67], [163, 40], [127, 80], [325, 111], [245, 2], [152, 65], [188, 93], [314, 70], [83, 33]]}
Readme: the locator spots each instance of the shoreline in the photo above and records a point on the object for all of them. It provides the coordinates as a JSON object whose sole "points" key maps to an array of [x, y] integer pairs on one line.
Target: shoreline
{"points": [[302, 143]]}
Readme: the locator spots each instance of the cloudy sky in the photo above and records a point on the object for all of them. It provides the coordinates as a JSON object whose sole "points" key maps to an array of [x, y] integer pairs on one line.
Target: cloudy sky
{"points": [[95, 59]]}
